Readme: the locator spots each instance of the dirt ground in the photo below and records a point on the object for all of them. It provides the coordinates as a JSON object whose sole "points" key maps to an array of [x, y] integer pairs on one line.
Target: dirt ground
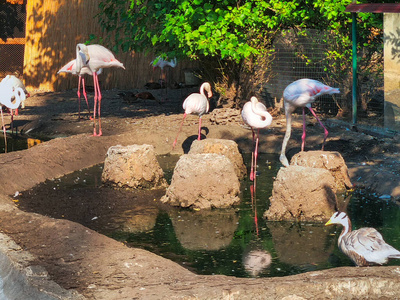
{"points": [[90, 265]]}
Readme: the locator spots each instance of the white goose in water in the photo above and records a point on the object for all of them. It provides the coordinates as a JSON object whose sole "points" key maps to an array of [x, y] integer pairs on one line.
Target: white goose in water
{"points": [[364, 246], [255, 114]]}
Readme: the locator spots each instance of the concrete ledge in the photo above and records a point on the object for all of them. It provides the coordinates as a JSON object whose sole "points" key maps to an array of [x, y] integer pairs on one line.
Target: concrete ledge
{"points": [[19, 280]]}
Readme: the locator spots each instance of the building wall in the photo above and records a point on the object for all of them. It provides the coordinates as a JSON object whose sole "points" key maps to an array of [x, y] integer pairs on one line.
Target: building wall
{"points": [[391, 23]]}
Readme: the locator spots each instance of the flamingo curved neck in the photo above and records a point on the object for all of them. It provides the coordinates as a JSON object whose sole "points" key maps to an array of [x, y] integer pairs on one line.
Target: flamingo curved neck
{"points": [[205, 87], [82, 57], [265, 116]]}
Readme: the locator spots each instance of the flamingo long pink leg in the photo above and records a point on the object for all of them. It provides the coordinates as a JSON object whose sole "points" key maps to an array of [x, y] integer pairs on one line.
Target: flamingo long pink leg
{"points": [[199, 135], [79, 96], [254, 204], [303, 137], [99, 104], [180, 128], [85, 95], [4, 131], [253, 169], [12, 120], [95, 104], [252, 157], [325, 130], [256, 155]]}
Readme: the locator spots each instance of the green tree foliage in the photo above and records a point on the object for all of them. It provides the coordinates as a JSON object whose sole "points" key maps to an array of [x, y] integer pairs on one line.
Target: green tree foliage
{"points": [[236, 37]]}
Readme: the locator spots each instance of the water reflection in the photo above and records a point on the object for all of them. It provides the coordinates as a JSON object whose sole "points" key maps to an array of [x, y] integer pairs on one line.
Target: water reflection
{"points": [[204, 230], [17, 143], [300, 244], [256, 261], [140, 219], [237, 242]]}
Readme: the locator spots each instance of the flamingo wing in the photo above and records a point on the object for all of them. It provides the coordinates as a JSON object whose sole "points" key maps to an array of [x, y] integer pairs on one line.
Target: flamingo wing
{"points": [[196, 104], [101, 57], [70, 67], [304, 91]]}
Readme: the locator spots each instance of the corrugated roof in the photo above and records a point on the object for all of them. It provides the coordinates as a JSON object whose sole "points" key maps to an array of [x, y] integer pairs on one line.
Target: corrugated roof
{"points": [[374, 7]]}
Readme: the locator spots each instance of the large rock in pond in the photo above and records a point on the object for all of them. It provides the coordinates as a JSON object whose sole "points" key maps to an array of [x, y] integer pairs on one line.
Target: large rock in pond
{"points": [[203, 181], [329, 160], [220, 146], [302, 194], [133, 166]]}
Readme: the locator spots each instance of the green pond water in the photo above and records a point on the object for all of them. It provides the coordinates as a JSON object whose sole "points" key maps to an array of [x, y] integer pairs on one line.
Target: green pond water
{"points": [[16, 142], [235, 242]]}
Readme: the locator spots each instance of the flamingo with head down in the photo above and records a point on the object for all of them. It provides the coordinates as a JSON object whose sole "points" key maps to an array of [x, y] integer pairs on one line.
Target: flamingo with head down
{"points": [[70, 67], [302, 93]]}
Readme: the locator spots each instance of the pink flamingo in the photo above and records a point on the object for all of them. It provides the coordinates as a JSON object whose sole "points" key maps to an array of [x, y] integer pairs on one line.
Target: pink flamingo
{"points": [[255, 115], [70, 67], [160, 63], [196, 104], [7, 94], [95, 57], [302, 93]]}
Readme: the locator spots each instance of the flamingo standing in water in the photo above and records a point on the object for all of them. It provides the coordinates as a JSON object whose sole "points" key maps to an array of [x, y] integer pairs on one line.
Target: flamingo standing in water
{"points": [[7, 94], [70, 67], [161, 63], [302, 93], [196, 104], [255, 115], [95, 57]]}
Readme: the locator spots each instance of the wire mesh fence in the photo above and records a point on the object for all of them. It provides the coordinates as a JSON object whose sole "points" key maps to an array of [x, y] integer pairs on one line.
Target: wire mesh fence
{"points": [[303, 56], [12, 45]]}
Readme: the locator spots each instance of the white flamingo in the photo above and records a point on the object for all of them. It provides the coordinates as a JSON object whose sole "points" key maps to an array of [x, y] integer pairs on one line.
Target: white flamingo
{"points": [[196, 104], [255, 115], [302, 93], [14, 82], [95, 57], [70, 67], [161, 63], [364, 246], [10, 98]]}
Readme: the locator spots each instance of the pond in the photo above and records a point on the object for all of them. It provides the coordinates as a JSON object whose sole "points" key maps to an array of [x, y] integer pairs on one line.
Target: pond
{"points": [[17, 142], [235, 242]]}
